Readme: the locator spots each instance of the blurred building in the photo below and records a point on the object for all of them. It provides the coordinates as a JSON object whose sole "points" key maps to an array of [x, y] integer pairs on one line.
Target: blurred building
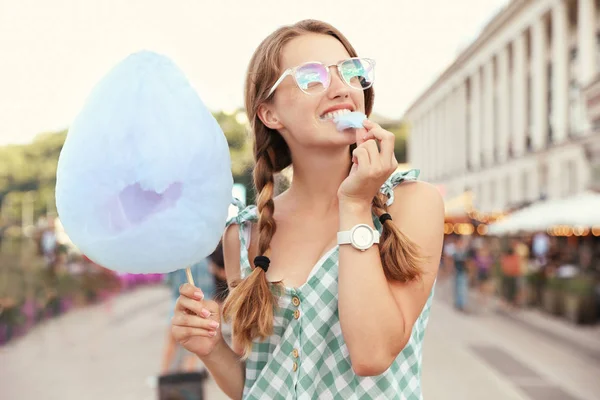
{"points": [[516, 117]]}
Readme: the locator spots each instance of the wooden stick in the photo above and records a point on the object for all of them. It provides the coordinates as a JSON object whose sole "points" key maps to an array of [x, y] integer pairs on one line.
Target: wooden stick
{"points": [[190, 278]]}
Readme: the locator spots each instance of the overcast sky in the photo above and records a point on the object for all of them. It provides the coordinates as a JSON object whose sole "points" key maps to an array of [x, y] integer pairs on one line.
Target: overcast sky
{"points": [[53, 52]]}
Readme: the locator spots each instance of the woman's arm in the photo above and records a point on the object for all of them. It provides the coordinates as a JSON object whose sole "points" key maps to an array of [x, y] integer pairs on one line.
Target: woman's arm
{"points": [[377, 316], [224, 363], [227, 369], [195, 326]]}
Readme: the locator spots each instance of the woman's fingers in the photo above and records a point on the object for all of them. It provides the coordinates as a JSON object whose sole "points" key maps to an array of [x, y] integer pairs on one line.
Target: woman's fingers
{"points": [[361, 135], [192, 306], [374, 157], [193, 318], [181, 333], [361, 157], [194, 321], [386, 139], [191, 291]]}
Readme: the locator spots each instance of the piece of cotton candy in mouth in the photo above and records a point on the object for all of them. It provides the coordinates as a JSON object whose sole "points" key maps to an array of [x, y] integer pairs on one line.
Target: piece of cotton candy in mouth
{"points": [[144, 178], [353, 119]]}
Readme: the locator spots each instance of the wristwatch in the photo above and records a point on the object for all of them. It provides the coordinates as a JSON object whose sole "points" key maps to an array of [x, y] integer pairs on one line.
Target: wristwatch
{"points": [[361, 237]]}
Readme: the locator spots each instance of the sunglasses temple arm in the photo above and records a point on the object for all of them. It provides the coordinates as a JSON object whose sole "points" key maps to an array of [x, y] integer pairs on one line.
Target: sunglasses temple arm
{"points": [[281, 78]]}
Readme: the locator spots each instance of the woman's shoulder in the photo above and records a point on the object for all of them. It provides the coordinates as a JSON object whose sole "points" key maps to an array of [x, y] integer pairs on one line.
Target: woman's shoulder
{"points": [[417, 191], [419, 212]]}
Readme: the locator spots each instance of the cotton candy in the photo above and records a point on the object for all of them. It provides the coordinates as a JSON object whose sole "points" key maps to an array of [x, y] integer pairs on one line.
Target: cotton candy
{"points": [[353, 119], [144, 178]]}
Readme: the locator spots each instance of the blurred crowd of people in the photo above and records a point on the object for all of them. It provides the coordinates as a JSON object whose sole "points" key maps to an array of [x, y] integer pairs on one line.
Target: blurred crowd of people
{"points": [[62, 257], [500, 266]]}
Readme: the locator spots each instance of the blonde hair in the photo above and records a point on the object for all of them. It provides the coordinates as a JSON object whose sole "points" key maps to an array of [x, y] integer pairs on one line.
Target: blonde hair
{"points": [[250, 305]]}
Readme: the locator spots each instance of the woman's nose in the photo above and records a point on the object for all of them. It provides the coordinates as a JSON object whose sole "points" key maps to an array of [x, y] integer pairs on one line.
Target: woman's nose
{"points": [[337, 87]]}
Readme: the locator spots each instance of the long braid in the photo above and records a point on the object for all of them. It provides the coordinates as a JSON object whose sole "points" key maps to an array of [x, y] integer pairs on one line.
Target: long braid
{"points": [[399, 255], [251, 303], [265, 186]]}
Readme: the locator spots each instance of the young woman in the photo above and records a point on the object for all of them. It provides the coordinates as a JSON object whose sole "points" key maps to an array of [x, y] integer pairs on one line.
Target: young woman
{"points": [[316, 314]]}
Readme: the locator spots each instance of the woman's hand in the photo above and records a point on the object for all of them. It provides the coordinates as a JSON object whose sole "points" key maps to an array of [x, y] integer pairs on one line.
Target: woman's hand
{"points": [[370, 166], [196, 323]]}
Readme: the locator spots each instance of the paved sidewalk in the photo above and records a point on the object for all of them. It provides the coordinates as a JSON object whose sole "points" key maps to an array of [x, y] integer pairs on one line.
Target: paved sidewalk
{"points": [[539, 365], [585, 338], [96, 354]]}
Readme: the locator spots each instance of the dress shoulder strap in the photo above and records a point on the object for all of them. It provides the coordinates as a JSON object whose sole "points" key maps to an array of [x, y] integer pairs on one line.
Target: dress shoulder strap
{"points": [[245, 217]]}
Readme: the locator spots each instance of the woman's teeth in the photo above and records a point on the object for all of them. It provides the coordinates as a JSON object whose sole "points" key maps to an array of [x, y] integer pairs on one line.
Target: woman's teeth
{"points": [[333, 114]]}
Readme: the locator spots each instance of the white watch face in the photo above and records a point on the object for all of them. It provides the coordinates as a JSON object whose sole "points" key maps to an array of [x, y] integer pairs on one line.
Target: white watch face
{"points": [[362, 236]]}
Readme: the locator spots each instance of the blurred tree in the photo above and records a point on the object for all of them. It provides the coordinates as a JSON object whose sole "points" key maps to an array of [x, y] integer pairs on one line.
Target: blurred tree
{"points": [[235, 132], [401, 131]]}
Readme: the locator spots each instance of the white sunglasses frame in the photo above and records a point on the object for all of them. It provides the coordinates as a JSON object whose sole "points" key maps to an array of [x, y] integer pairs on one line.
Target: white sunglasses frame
{"points": [[292, 71]]}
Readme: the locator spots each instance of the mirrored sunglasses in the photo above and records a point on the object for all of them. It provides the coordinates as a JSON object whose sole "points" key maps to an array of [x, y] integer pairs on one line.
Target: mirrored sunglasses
{"points": [[314, 77]]}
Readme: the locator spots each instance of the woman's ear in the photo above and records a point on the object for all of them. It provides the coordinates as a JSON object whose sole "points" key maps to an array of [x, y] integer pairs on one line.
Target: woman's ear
{"points": [[269, 117]]}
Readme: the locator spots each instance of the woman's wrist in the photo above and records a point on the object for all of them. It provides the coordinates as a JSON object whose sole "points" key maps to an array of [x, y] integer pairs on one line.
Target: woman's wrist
{"points": [[353, 212], [348, 204], [216, 353]]}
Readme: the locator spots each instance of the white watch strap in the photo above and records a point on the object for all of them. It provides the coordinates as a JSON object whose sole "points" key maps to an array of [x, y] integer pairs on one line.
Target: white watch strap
{"points": [[345, 237]]}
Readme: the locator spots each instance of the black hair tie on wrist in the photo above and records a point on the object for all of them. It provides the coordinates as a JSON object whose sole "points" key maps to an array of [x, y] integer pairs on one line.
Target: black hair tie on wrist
{"points": [[262, 262], [385, 217]]}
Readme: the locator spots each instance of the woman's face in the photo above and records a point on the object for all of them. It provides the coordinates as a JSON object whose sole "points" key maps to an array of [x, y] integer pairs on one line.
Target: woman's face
{"points": [[301, 118]]}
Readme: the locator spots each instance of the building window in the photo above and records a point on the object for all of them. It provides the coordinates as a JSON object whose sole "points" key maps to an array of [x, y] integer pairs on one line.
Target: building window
{"points": [[575, 114], [524, 186], [507, 197], [468, 139], [493, 195], [576, 105], [496, 136], [549, 107], [529, 120], [543, 181], [572, 183]]}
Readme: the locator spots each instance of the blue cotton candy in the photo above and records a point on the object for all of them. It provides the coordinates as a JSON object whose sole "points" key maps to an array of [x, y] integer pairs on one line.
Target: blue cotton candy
{"points": [[353, 119], [144, 178]]}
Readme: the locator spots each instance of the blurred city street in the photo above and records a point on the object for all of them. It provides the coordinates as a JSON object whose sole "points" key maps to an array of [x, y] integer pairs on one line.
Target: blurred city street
{"points": [[111, 351], [496, 104]]}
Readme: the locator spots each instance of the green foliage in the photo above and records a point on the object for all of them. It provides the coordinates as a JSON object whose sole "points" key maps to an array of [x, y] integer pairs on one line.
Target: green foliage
{"points": [[555, 283], [235, 131], [401, 130], [580, 286]]}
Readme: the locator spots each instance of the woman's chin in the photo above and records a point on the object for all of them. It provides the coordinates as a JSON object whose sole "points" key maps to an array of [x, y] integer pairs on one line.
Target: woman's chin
{"points": [[347, 136], [341, 139]]}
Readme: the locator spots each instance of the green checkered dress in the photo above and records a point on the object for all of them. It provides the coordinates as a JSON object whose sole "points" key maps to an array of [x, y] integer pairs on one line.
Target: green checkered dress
{"points": [[306, 357]]}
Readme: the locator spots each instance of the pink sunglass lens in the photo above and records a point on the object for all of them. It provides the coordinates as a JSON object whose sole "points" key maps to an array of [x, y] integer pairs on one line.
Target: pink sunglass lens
{"points": [[312, 77]]}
